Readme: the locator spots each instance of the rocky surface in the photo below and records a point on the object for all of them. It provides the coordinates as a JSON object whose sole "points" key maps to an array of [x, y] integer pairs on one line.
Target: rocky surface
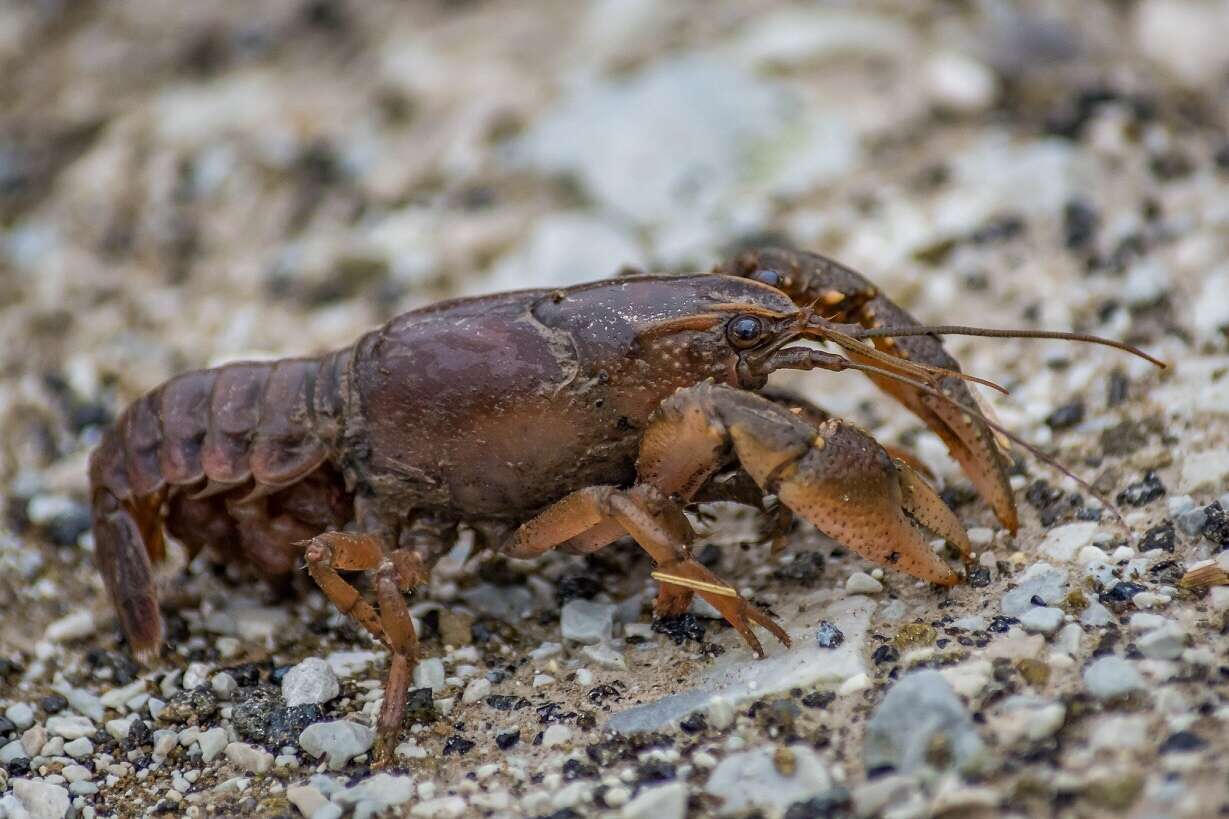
{"points": [[185, 184]]}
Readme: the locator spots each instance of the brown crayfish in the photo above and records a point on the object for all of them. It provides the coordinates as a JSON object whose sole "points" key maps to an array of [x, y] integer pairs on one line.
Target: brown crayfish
{"points": [[543, 419]]}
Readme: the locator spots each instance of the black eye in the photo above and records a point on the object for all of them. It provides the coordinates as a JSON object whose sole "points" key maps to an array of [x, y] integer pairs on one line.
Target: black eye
{"points": [[745, 331], [769, 277]]}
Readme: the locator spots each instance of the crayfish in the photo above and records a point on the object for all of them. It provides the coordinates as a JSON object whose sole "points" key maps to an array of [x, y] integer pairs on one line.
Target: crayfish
{"points": [[544, 419]]}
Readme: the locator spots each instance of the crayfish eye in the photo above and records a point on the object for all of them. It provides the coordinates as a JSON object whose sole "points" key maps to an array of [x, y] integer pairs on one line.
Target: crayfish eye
{"points": [[769, 277], [745, 331]]}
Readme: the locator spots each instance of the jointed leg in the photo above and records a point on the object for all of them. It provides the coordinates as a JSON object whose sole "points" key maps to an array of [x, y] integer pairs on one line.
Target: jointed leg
{"points": [[396, 573], [835, 476], [661, 529]]}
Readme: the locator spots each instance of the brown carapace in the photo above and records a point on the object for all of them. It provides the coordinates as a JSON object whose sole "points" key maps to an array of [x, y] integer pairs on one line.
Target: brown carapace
{"points": [[541, 419]]}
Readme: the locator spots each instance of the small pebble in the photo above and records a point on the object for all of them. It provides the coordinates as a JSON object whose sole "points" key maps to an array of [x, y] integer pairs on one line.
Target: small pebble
{"points": [[477, 689], [339, 741], [311, 682], [1110, 677], [556, 735], [862, 583]]}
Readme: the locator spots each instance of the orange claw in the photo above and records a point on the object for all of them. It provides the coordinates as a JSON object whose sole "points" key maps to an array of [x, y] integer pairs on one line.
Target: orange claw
{"points": [[843, 295]]}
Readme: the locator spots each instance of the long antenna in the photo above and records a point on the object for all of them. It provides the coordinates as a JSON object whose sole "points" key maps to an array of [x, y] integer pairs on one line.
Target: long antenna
{"points": [[855, 331]]}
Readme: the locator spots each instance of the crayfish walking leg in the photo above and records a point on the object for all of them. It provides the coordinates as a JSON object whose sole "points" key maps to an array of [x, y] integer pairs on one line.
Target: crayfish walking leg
{"points": [[396, 572]]}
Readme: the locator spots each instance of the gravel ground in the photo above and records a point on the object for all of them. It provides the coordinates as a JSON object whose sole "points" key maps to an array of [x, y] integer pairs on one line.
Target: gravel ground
{"points": [[182, 184]]}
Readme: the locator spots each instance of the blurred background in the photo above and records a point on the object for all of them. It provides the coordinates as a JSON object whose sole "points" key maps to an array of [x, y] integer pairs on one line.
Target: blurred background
{"points": [[185, 183]]}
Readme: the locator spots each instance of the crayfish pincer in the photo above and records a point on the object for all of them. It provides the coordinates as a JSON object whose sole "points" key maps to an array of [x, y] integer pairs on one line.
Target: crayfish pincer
{"points": [[541, 419]]}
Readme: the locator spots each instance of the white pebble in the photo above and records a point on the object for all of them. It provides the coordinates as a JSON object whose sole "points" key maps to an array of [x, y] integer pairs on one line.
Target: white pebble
{"points": [[862, 583], [212, 743], [71, 627], [556, 735], [79, 748], [249, 758], [311, 682], [477, 689], [224, 685], [70, 726], [429, 673], [20, 714]]}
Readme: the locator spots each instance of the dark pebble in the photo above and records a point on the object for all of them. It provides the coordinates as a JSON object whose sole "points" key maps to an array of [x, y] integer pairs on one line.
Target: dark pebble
{"points": [[680, 628], [885, 654], [53, 704], [1123, 592], [64, 529], [261, 718], [1216, 524], [507, 739], [245, 675], [190, 707], [828, 805], [958, 496], [1001, 623], [601, 693], [574, 586], [828, 635], [1036, 600], [1066, 416], [7, 727], [1160, 536], [574, 769], [693, 723], [1116, 389], [553, 712], [1080, 223], [654, 771], [457, 745], [1040, 494], [1171, 165], [819, 699], [979, 577], [1182, 741], [565, 813], [139, 734], [807, 567], [19, 767], [503, 702], [1143, 491], [123, 669], [420, 706]]}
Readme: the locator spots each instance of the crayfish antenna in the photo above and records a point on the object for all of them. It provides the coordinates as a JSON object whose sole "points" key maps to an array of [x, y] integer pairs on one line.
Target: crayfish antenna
{"points": [[854, 331]]}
